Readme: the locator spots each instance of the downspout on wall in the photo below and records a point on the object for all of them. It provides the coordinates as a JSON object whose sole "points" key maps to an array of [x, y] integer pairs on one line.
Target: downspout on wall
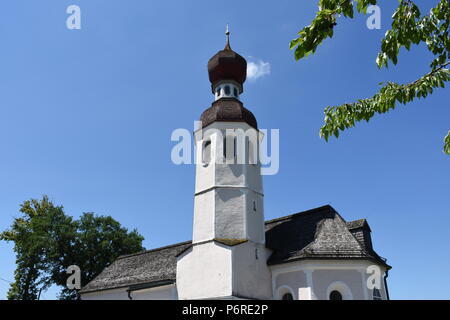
{"points": [[385, 284]]}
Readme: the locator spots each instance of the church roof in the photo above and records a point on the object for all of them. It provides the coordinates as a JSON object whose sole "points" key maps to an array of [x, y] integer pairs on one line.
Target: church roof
{"points": [[228, 110], [227, 65], [150, 266], [318, 233]]}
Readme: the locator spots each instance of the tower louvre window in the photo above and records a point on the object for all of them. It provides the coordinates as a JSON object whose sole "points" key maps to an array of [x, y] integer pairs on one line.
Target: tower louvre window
{"points": [[235, 92], [251, 151], [206, 153], [233, 140], [225, 147], [227, 90]]}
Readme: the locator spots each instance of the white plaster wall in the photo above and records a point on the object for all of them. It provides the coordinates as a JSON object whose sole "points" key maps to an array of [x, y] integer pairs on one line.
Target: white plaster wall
{"points": [[322, 279], [312, 279], [158, 293], [255, 219], [293, 280], [204, 207], [230, 175], [254, 178], [251, 275], [230, 210], [204, 271]]}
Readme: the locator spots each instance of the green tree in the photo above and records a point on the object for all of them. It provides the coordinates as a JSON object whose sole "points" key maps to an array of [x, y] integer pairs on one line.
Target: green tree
{"points": [[33, 234], [99, 241], [47, 241], [408, 27]]}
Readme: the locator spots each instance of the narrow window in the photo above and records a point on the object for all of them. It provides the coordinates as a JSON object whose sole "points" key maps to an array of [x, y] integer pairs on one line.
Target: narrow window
{"points": [[227, 90], [235, 92], [206, 154], [335, 295], [376, 294], [218, 91], [254, 205], [287, 296], [225, 147], [252, 155], [229, 148]]}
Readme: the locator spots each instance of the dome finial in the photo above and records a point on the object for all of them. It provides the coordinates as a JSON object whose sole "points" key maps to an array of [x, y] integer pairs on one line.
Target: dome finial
{"points": [[227, 33]]}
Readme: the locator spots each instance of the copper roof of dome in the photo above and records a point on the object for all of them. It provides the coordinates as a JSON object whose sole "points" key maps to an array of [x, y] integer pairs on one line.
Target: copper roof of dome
{"points": [[227, 65], [228, 110]]}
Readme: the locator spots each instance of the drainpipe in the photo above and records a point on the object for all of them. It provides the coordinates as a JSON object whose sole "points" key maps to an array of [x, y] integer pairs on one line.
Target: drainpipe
{"points": [[385, 284]]}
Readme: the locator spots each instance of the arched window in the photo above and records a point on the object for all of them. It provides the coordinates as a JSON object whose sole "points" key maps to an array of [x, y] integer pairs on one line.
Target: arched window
{"points": [[376, 294], [227, 90], [338, 290], [206, 154], [235, 92], [218, 91], [335, 295], [287, 296]]}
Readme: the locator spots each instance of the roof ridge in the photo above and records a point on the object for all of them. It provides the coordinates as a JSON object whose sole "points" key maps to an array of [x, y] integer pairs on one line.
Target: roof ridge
{"points": [[154, 249], [327, 206]]}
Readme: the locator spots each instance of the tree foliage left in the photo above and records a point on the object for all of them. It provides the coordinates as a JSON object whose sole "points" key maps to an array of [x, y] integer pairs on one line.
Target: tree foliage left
{"points": [[47, 241]]}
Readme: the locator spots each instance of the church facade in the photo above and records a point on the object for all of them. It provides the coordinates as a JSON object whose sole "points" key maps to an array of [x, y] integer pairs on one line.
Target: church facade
{"points": [[234, 253]]}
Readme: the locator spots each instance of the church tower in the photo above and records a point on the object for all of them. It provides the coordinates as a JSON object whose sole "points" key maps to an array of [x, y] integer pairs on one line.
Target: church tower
{"points": [[228, 257]]}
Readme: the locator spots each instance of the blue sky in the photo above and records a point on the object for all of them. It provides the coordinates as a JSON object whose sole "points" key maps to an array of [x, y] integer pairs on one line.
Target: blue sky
{"points": [[86, 117]]}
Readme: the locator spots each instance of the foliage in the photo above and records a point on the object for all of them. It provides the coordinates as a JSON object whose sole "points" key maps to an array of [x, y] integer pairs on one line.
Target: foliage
{"points": [[47, 241], [408, 27], [99, 241]]}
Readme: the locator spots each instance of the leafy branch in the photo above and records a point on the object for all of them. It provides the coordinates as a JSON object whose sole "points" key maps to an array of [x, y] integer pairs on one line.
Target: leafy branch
{"points": [[408, 27], [339, 118]]}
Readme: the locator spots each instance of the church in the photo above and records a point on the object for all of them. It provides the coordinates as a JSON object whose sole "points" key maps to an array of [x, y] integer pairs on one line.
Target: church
{"points": [[234, 253]]}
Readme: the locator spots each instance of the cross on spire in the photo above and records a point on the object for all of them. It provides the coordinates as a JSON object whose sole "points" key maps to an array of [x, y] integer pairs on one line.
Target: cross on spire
{"points": [[227, 33]]}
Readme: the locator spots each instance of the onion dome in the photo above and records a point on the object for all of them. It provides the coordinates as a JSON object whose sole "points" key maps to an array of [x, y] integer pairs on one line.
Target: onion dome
{"points": [[228, 110], [227, 65], [227, 72]]}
